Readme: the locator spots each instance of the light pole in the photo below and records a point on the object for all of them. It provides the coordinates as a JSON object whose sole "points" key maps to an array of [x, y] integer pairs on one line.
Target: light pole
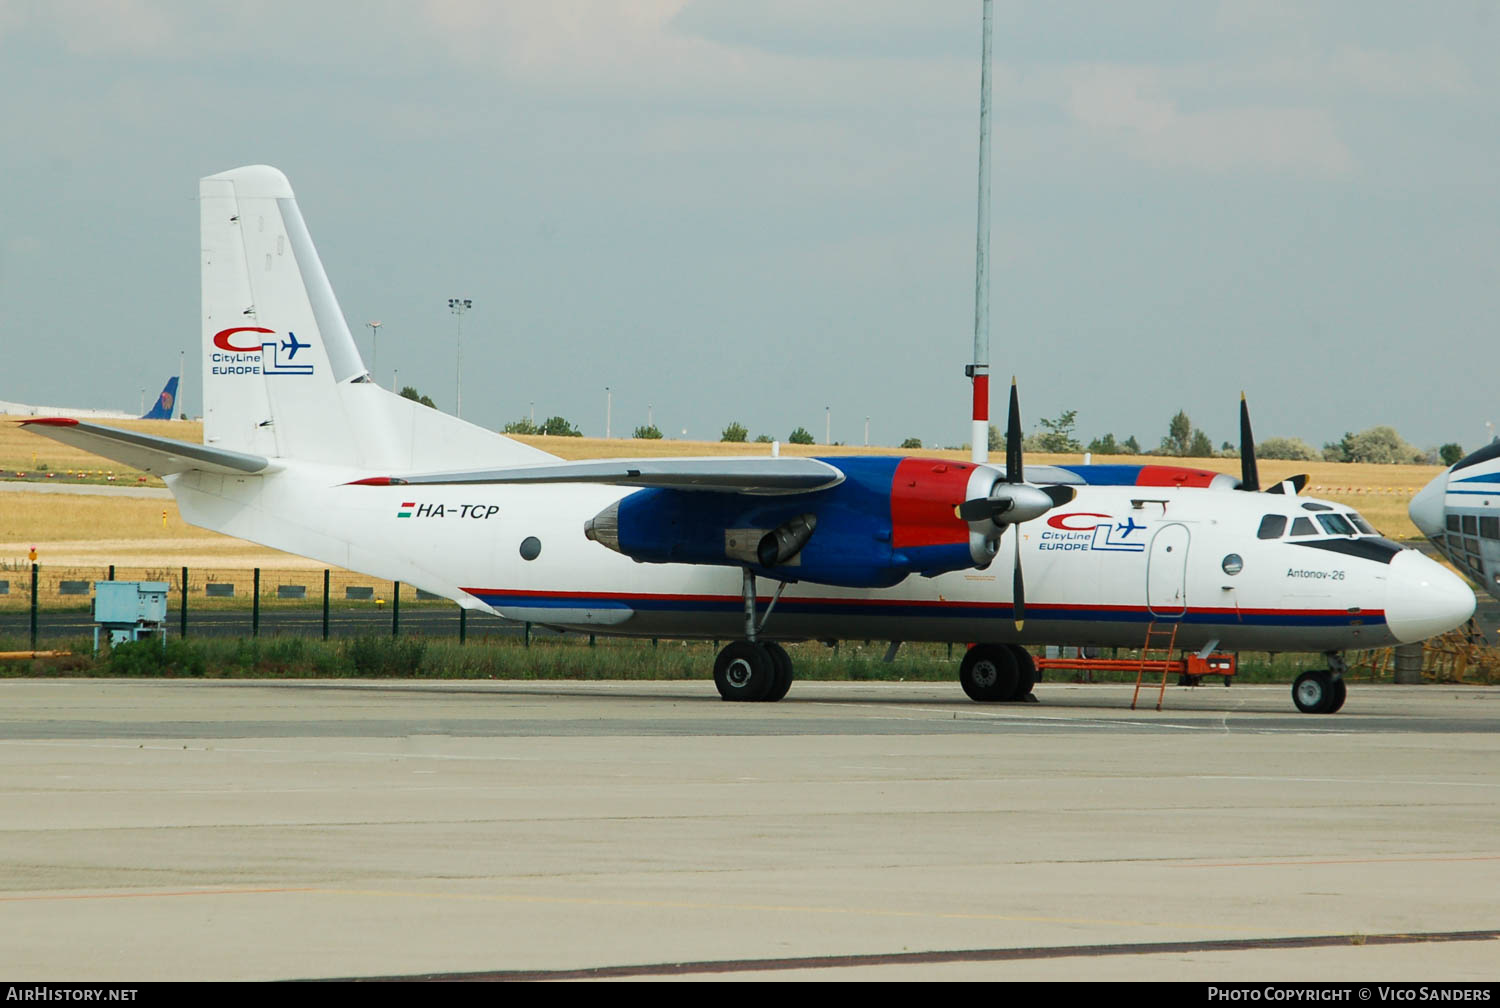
{"points": [[979, 371], [827, 424], [374, 328], [867, 432], [143, 402], [609, 402], [458, 306]]}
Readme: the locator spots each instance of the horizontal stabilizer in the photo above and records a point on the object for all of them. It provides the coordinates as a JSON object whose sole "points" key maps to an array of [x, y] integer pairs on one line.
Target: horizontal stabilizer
{"points": [[715, 475], [148, 453]]}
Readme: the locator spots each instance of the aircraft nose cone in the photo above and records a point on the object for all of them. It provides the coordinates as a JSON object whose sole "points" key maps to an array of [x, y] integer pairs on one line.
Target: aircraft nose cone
{"points": [[1426, 508], [1423, 598]]}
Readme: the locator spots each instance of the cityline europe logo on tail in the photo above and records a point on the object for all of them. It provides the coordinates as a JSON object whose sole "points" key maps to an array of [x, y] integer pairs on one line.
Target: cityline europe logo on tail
{"points": [[251, 350]]}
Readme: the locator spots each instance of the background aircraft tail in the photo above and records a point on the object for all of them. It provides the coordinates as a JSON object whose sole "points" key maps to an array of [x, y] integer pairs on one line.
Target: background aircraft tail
{"points": [[282, 376], [166, 403]]}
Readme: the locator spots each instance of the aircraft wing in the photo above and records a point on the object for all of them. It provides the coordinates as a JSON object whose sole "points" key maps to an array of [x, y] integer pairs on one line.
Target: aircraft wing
{"points": [[148, 453], [766, 476]]}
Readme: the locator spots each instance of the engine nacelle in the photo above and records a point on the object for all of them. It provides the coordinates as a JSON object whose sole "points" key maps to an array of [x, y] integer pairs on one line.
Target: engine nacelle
{"points": [[889, 518]]}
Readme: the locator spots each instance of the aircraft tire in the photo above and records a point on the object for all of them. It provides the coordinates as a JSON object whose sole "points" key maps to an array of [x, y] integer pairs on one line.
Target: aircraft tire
{"points": [[1340, 690], [1025, 672], [1313, 692], [988, 673], [784, 671], [744, 672]]}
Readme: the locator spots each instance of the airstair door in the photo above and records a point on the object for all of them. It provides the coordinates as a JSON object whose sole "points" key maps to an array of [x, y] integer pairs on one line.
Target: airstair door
{"points": [[1166, 572]]}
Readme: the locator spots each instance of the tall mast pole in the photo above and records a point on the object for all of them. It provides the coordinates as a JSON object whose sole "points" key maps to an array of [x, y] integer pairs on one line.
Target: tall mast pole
{"points": [[979, 370]]}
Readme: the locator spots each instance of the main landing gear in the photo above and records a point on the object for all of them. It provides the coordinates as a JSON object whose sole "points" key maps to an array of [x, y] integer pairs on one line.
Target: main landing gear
{"points": [[752, 669], [992, 672], [1321, 691]]}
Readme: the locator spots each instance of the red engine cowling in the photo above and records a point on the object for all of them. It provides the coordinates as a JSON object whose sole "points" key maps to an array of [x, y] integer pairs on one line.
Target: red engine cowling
{"points": [[925, 494]]}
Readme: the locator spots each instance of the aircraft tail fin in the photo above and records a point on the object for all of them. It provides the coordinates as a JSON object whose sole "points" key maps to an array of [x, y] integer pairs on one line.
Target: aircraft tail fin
{"points": [[282, 376], [165, 403]]}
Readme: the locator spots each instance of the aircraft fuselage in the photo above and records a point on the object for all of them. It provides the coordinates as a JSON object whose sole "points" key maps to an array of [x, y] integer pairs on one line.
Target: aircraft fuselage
{"points": [[1098, 570]]}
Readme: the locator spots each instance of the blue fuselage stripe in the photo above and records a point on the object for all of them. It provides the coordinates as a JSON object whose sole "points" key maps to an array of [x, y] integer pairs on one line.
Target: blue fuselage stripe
{"points": [[948, 610]]}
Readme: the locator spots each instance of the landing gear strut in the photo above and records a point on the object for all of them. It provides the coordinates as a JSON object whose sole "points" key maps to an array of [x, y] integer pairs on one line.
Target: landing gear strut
{"points": [[1321, 691], [750, 669]]}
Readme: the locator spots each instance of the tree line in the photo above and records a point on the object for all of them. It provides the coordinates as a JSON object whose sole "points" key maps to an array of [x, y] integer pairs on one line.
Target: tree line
{"points": [[1379, 444], [1059, 435]]}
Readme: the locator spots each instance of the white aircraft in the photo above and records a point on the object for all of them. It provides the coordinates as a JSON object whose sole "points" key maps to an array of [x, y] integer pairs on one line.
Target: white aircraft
{"points": [[304, 453], [1460, 512]]}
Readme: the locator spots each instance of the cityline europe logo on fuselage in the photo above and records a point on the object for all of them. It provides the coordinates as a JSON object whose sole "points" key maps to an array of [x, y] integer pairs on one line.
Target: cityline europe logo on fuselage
{"points": [[237, 353], [1088, 530]]}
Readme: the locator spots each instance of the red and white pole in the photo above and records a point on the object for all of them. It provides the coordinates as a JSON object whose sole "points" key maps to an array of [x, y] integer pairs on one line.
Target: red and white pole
{"points": [[979, 370]]}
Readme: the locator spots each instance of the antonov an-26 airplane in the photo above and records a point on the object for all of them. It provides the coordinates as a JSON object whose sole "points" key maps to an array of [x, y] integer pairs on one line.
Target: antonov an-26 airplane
{"points": [[304, 453]]}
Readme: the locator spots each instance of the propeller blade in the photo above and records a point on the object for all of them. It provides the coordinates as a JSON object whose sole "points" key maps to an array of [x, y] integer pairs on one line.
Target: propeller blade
{"points": [[1060, 495], [1014, 471], [1298, 482], [1018, 586], [1249, 474], [979, 508]]}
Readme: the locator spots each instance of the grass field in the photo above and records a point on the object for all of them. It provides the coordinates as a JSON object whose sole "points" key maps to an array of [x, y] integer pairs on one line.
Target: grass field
{"points": [[94, 531], [568, 657]]}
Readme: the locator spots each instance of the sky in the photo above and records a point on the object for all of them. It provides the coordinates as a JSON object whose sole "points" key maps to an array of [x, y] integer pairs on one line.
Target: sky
{"points": [[765, 212]]}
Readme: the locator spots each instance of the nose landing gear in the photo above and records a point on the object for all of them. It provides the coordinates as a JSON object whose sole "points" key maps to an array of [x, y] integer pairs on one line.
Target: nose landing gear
{"points": [[1321, 691]]}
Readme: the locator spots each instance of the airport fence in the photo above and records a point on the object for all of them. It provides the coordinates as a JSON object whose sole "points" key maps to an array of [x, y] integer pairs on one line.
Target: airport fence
{"points": [[44, 602]]}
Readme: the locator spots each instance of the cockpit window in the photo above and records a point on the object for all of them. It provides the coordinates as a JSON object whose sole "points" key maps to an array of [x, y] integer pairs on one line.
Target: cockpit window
{"points": [[1271, 526], [1336, 524], [1303, 526], [1359, 523], [1489, 528], [1315, 506]]}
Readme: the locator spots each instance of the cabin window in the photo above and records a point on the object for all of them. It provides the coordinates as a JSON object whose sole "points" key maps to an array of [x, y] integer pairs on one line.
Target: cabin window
{"points": [[1271, 526], [1233, 564], [1303, 526], [531, 548], [1335, 524]]}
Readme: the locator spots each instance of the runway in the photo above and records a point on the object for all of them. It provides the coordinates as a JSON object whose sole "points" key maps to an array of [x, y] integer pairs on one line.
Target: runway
{"points": [[190, 830]]}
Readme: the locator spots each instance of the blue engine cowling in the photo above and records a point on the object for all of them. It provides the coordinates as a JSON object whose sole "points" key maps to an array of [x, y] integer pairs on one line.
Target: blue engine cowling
{"points": [[889, 518]]}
